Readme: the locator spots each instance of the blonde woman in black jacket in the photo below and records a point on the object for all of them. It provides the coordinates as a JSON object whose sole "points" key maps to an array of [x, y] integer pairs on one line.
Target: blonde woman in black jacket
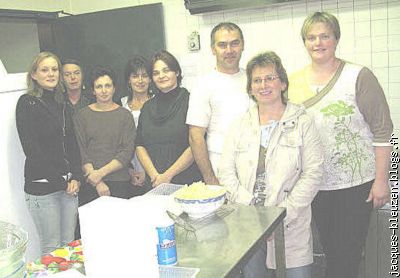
{"points": [[52, 165]]}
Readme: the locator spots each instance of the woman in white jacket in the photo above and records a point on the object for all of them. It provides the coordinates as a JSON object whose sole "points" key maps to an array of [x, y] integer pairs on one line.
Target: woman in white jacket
{"points": [[272, 157]]}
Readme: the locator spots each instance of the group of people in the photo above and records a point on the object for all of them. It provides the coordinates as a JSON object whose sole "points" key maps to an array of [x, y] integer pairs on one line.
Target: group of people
{"points": [[319, 147]]}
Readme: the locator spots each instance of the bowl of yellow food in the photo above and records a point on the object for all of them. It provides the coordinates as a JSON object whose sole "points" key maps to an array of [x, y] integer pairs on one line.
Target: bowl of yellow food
{"points": [[199, 200]]}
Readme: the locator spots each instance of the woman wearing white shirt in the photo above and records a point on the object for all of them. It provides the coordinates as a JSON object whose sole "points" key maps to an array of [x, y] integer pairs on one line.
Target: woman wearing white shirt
{"points": [[137, 76]]}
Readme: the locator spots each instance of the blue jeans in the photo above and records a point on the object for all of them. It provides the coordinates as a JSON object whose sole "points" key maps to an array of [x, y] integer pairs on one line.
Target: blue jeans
{"points": [[256, 267], [299, 272], [55, 217]]}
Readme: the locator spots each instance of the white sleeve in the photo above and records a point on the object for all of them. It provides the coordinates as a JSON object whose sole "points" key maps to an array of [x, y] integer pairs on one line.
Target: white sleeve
{"points": [[199, 111], [227, 173], [137, 166]]}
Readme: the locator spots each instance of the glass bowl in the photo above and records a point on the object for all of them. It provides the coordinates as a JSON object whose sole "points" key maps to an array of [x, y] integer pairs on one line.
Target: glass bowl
{"points": [[13, 243]]}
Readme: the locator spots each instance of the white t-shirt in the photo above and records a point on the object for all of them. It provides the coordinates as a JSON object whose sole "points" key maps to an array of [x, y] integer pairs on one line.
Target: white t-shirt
{"points": [[135, 113], [215, 101]]}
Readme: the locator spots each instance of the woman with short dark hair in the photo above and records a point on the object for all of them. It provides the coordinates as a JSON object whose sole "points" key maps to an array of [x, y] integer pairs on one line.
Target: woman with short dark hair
{"points": [[137, 78], [162, 144], [106, 136]]}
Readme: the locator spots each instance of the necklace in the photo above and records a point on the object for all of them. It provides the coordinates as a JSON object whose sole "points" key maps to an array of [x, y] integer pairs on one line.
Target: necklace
{"points": [[141, 100], [137, 103]]}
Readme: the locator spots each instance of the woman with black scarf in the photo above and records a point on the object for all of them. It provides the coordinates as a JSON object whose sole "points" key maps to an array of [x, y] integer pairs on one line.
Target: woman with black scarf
{"points": [[162, 144]]}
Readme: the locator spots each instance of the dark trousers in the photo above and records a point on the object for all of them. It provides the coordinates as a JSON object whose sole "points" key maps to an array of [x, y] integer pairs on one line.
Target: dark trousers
{"points": [[256, 266], [342, 218]]}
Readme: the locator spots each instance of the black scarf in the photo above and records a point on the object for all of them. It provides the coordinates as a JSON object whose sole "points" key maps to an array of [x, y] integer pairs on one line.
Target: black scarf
{"points": [[166, 104]]}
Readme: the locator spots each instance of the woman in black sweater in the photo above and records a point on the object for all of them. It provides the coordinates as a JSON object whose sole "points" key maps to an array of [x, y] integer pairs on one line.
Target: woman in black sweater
{"points": [[52, 165], [162, 142]]}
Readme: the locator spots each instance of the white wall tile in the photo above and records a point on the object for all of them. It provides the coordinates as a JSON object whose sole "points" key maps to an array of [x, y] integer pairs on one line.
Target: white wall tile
{"points": [[382, 74], [396, 120], [362, 29], [258, 16], [342, 4], [394, 74], [379, 28], [380, 60], [379, 44], [385, 87], [207, 20], [299, 10], [245, 17], [285, 11], [346, 44], [271, 13], [346, 16], [348, 56], [394, 89], [394, 10], [361, 3], [394, 106], [362, 13], [394, 26], [313, 6], [379, 11], [393, 42], [363, 44], [375, 2], [347, 29], [363, 59], [297, 22], [394, 59], [331, 7], [347, 41]]}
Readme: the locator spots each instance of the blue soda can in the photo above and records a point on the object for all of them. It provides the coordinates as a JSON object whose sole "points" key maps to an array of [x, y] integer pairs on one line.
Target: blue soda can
{"points": [[166, 247]]}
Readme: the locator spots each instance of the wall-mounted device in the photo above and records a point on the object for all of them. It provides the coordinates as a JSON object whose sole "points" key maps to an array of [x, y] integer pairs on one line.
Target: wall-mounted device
{"points": [[193, 41]]}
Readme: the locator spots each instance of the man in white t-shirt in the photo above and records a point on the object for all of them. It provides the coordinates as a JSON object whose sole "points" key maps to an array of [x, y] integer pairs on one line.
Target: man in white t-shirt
{"points": [[217, 99]]}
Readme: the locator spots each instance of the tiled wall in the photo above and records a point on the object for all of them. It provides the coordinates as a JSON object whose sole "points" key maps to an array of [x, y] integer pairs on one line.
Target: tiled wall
{"points": [[370, 36], [370, 33]]}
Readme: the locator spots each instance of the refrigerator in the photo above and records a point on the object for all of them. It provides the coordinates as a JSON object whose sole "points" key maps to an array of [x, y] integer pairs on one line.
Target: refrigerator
{"points": [[12, 158]]}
